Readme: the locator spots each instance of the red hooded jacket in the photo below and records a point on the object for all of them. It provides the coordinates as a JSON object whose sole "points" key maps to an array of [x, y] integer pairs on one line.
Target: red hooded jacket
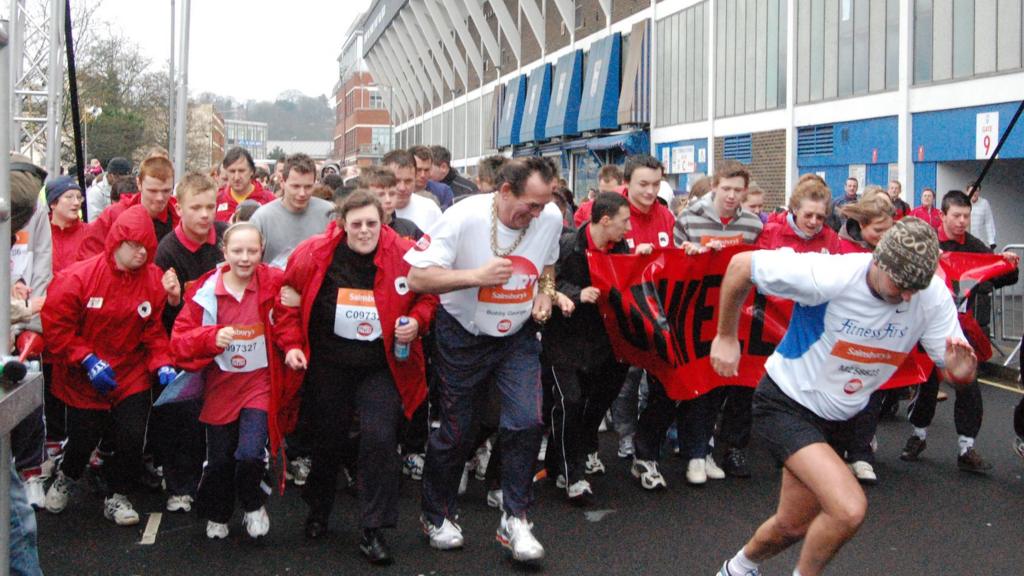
{"points": [[98, 229], [655, 227], [778, 234], [194, 345], [95, 308], [306, 269], [226, 204]]}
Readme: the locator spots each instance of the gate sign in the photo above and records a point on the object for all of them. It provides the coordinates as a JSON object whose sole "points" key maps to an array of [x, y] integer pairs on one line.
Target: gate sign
{"points": [[987, 136]]}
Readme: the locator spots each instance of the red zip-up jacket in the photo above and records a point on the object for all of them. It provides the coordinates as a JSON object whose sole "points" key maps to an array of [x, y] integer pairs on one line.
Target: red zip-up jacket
{"points": [[99, 228], [778, 234], [194, 345], [95, 308], [305, 272], [66, 242], [655, 227], [226, 204]]}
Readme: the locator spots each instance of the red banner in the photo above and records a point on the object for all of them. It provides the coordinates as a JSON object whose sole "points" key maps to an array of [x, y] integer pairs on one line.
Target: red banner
{"points": [[661, 314]]}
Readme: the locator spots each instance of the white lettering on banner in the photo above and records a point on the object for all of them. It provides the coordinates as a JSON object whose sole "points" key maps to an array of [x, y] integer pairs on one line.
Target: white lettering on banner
{"points": [[501, 309], [355, 316], [987, 136], [247, 352]]}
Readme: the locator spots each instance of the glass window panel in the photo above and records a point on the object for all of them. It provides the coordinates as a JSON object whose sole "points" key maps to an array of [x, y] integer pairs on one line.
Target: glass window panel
{"points": [[459, 136], [475, 126], [876, 61], [892, 44], [773, 76], [702, 58], [984, 39], [845, 48], [740, 59], [922, 41], [861, 40], [963, 38], [831, 47], [751, 47], [685, 54], [942, 39], [783, 52], [817, 31], [762, 53], [730, 57], [1009, 35]]}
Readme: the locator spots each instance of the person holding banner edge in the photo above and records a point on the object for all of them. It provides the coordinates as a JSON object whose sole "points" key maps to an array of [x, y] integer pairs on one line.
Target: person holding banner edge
{"points": [[856, 317]]}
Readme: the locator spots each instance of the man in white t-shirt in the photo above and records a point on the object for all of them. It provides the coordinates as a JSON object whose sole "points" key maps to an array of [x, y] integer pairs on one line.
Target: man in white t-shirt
{"points": [[491, 258], [421, 211], [856, 317]]}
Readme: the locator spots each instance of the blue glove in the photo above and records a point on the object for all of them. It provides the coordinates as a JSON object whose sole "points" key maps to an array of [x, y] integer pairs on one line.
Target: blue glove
{"points": [[100, 374], [166, 375]]}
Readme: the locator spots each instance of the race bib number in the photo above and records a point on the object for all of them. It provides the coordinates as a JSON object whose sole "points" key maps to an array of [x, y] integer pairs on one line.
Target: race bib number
{"points": [[247, 352], [21, 258], [502, 310], [355, 316], [856, 367]]}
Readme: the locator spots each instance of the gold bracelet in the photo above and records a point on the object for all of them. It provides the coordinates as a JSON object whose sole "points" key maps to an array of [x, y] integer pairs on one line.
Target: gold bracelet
{"points": [[547, 286]]}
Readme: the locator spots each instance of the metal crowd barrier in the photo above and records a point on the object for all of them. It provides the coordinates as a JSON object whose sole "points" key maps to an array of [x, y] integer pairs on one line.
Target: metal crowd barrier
{"points": [[1008, 311]]}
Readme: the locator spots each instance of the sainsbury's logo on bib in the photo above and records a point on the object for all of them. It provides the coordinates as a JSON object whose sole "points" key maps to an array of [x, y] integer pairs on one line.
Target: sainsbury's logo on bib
{"points": [[501, 310]]}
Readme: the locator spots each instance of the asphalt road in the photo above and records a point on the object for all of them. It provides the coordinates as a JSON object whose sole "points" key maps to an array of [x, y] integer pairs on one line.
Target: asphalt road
{"points": [[923, 518]]}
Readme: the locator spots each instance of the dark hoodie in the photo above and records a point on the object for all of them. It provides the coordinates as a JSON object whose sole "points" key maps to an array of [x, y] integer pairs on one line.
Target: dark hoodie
{"points": [[96, 308]]}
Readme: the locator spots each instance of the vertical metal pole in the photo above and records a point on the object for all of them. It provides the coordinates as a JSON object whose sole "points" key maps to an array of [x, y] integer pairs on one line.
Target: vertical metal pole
{"points": [[15, 31], [170, 90], [181, 141], [55, 87], [5, 286]]}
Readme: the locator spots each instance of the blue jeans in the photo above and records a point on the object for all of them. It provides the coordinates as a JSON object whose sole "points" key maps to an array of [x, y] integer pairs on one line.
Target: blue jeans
{"points": [[464, 363], [23, 548], [235, 459]]}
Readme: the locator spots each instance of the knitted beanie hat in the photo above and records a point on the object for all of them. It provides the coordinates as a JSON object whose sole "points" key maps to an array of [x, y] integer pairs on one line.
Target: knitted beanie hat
{"points": [[909, 253]]}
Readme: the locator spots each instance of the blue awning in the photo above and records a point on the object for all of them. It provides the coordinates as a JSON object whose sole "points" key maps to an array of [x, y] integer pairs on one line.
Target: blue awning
{"points": [[538, 96], [512, 113], [600, 100], [632, 143], [565, 96]]}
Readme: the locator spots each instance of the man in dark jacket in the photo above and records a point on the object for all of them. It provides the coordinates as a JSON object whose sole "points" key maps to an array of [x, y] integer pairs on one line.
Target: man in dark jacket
{"points": [[967, 409], [586, 376], [443, 172]]}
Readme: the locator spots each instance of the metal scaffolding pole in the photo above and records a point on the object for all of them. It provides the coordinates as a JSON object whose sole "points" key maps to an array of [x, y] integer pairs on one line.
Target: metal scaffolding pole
{"points": [[55, 87], [181, 118], [36, 79], [170, 89]]}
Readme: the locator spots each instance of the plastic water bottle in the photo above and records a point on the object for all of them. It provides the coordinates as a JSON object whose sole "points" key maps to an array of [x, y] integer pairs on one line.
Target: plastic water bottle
{"points": [[402, 348]]}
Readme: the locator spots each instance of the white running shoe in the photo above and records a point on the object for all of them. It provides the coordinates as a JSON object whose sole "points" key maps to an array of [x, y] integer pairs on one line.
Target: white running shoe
{"points": [[34, 491], [447, 536], [626, 447], [216, 530], [725, 571], [516, 534], [864, 472], [257, 522], [712, 469], [495, 499], [58, 494], [593, 465], [298, 470], [182, 503], [579, 489], [119, 510], [696, 471], [647, 472], [412, 466]]}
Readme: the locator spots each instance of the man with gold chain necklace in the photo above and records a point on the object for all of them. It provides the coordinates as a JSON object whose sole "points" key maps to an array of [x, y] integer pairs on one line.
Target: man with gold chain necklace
{"points": [[491, 258]]}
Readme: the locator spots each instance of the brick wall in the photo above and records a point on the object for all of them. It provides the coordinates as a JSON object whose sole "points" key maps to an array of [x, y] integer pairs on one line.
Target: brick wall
{"points": [[768, 167], [530, 47], [556, 35], [593, 18], [622, 9]]}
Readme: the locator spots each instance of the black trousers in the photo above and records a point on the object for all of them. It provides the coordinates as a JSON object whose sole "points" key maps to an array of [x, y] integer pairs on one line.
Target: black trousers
{"points": [[54, 409], [236, 455], [581, 399], [126, 422], [178, 437], [861, 429], [967, 408], [734, 431], [656, 417], [339, 394]]}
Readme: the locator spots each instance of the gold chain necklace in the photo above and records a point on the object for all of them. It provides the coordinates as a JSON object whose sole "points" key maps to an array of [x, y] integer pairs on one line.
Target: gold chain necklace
{"points": [[500, 253]]}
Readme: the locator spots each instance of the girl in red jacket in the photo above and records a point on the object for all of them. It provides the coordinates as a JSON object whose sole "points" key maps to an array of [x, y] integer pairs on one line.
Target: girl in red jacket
{"points": [[224, 331], [104, 335], [357, 332], [802, 228]]}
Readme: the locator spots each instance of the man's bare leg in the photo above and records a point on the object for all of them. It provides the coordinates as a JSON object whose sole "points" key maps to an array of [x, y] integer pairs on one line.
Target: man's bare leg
{"points": [[820, 501]]}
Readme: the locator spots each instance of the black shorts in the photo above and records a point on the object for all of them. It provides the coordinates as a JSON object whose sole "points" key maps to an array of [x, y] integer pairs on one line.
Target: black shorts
{"points": [[786, 426]]}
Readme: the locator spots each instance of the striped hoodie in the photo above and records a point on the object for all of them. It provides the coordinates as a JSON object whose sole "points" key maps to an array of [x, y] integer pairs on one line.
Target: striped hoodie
{"points": [[700, 224]]}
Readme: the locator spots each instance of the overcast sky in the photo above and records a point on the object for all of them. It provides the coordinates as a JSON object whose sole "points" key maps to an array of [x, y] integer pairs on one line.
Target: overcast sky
{"points": [[247, 49]]}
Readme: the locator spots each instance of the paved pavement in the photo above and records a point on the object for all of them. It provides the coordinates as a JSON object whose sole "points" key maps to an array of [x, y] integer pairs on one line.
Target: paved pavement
{"points": [[923, 518]]}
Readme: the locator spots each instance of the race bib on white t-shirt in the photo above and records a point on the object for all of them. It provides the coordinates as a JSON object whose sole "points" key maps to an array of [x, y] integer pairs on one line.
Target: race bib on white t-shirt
{"points": [[355, 316], [247, 352], [503, 309], [21, 258]]}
